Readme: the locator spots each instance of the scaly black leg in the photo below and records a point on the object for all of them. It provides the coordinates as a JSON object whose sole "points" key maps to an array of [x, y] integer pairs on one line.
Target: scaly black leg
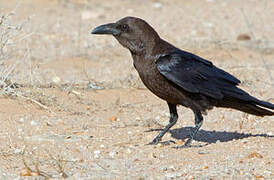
{"points": [[198, 124], [173, 119]]}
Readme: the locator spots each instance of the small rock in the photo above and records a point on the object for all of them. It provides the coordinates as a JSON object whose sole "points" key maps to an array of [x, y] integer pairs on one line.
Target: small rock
{"points": [[163, 168], [56, 79], [92, 85], [75, 92], [97, 152], [157, 5], [113, 118], [112, 154], [21, 120], [33, 123], [259, 176], [254, 155], [28, 172], [170, 175], [172, 168], [161, 156], [17, 151], [203, 152], [243, 37]]}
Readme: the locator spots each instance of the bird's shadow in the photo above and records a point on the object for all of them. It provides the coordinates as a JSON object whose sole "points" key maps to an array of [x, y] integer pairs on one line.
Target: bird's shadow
{"points": [[210, 136]]}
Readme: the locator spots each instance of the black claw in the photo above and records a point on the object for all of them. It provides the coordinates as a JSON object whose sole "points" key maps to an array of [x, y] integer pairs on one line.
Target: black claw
{"points": [[168, 142], [155, 141]]}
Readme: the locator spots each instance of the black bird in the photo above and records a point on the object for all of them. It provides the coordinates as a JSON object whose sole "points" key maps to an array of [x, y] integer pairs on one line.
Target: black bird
{"points": [[180, 77]]}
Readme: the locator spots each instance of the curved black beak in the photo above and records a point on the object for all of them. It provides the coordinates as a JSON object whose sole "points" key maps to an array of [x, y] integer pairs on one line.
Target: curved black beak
{"points": [[106, 29]]}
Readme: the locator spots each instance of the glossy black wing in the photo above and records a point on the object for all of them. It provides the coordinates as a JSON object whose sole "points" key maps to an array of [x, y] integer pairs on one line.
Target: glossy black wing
{"points": [[195, 74]]}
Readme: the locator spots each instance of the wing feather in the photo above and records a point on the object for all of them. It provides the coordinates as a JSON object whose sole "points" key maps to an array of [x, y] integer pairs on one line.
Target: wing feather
{"points": [[195, 74]]}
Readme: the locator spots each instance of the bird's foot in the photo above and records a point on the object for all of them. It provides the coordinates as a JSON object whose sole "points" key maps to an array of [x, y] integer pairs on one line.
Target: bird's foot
{"points": [[155, 141], [168, 142], [165, 143]]}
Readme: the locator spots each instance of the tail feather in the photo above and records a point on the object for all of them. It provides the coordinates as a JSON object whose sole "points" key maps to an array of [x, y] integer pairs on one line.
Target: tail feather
{"points": [[238, 99], [264, 103], [257, 108]]}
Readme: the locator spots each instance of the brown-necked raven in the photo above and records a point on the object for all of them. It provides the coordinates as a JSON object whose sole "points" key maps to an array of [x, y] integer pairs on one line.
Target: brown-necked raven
{"points": [[180, 77]]}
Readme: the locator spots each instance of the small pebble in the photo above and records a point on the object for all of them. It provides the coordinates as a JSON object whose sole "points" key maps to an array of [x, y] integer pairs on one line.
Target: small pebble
{"points": [[161, 156], [56, 79], [157, 5], [97, 152], [17, 151], [33, 123], [170, 175], [21, 120], [112, 154]]}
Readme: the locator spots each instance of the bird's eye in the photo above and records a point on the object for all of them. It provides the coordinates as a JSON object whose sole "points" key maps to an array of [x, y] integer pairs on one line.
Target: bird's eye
{"points": [[124, 27]]}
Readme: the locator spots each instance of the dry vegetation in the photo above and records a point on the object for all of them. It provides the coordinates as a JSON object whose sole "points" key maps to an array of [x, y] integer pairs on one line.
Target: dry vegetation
{"points": [[72, 105]]}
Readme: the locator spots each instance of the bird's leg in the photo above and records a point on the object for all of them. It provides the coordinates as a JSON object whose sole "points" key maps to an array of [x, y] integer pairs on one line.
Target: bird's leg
{"points": [[173, 119], [198, 124]]}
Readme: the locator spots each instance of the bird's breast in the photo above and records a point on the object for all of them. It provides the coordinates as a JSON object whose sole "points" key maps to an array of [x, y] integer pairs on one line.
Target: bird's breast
{"points": [[155, 82]]}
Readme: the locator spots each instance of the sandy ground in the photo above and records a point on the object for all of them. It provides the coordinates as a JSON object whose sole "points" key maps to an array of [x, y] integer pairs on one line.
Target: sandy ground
{"points": [[81, 111]]}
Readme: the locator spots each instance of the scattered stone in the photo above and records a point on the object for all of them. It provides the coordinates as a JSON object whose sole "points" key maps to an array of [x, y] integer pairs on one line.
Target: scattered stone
{"points": [[17, 151], [56, 80], [21, 120], [33, 123], [113, 118], [96, 153], [75, 92], [157, 5], [243, 37], [254, 155], [128, 151], [28, 172], [112, 154], [92, 85], [203, 152]]}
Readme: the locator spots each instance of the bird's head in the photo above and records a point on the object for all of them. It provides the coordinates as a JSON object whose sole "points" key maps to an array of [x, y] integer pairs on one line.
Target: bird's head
{"points": [[131, 32]]}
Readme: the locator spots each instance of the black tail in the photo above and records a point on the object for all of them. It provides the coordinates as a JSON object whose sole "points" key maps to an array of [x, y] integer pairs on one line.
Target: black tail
{"points": [[238, 99], [264, 104], [257, 107]]}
